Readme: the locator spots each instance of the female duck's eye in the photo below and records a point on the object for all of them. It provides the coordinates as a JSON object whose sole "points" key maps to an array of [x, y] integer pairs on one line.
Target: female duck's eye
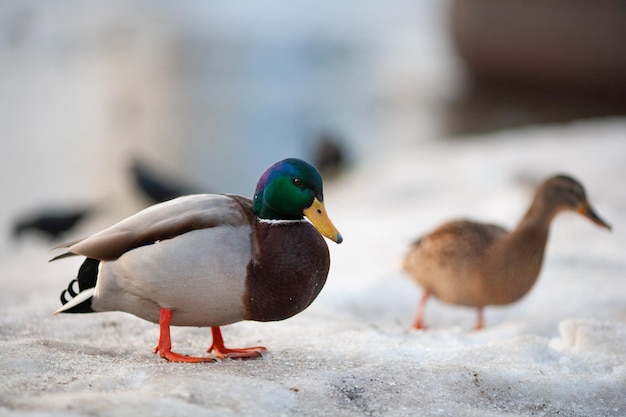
{"points": [[298, 182]]}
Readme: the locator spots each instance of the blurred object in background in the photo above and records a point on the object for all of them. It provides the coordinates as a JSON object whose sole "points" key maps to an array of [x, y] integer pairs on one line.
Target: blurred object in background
{"points": [[213, 92], [157, 186], [539, 61], [560, 45], [329, 154], [51, 223]]}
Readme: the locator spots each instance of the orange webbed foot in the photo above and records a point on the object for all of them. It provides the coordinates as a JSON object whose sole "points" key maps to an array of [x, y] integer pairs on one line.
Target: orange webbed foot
{"points": [[177, 357], [222, 352], [164, 348], [419, 326]]}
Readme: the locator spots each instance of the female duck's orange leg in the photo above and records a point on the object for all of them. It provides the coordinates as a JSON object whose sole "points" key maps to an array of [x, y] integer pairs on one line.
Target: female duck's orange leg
{"points": [[164, 348], [480, 320], [221, 351], [419, 319]]}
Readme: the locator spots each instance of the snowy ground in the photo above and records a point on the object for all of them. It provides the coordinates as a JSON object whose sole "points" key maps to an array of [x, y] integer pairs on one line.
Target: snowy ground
{"points": [[559, 351]]}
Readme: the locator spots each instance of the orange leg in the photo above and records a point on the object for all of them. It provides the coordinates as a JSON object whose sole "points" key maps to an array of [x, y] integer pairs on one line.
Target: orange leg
{"points": [[480, 321], [221, 351], [164, 348], [419, 319]]}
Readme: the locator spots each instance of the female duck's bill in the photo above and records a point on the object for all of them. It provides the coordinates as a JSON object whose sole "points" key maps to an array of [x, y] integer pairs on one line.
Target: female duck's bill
{"points": [[586, 210]]}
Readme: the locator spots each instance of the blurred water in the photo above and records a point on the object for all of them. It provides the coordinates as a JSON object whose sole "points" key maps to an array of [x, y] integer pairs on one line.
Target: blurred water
{"points": [[213, 92]]}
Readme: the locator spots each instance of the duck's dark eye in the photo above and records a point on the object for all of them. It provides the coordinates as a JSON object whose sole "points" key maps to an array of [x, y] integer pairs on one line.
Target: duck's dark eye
{"points": [[298, 182]]}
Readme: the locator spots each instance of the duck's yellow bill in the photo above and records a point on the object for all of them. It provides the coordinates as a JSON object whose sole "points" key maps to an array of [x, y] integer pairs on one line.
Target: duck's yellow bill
{"points": [[317, 215]]}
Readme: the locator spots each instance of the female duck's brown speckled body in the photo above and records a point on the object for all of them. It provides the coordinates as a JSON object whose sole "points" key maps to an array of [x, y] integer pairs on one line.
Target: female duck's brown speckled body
{"points": [[475, 264]]}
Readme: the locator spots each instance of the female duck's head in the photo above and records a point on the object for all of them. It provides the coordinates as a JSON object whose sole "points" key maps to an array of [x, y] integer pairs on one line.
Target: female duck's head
{"points": [[564, 193]]}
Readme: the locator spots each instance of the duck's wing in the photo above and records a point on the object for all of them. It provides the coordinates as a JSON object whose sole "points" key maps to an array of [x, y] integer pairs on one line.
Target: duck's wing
{"points": [[163, 221], [461, 238], [480, 235]]}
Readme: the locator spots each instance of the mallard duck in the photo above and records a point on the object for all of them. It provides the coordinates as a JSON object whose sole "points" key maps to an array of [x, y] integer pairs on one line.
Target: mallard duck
{"points": [[474, 264], [210, 260]]}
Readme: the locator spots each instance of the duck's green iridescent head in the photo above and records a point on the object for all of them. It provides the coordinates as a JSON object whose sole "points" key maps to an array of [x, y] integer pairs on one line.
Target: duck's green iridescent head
{"points": [[291, 189]]}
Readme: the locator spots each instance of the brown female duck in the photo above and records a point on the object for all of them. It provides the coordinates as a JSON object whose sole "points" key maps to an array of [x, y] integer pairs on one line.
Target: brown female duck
{"points": [[476, 265]]}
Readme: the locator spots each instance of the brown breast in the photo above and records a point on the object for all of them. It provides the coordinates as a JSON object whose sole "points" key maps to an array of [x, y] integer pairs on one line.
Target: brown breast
{"points": [[288, 270]]}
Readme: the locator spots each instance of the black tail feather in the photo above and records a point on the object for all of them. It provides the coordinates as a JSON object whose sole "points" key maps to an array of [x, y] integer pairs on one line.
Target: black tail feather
{"points": [[70, 290], [86, 279], [88, 274]]}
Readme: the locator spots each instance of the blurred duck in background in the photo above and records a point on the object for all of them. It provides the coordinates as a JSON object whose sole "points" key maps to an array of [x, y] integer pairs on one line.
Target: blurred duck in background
{"points": [[474, 264], [51, 223], [329, 154], [157, 186]]}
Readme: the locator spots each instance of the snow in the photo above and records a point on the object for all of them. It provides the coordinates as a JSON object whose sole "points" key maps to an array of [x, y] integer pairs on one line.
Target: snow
{"points": [[560, 350]]}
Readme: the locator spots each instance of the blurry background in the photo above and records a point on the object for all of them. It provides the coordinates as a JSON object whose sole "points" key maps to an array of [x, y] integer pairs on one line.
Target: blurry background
{"points": [[100, 97]]}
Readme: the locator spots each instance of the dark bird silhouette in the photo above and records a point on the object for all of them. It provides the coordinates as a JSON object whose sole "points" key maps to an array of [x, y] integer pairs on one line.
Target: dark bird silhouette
{"points": [[330, 155], [51, 223], [156, 186]]}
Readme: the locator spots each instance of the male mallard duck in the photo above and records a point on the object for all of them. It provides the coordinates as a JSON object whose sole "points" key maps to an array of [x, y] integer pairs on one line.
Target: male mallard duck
{"points": [[209, 260], [475, 264]]}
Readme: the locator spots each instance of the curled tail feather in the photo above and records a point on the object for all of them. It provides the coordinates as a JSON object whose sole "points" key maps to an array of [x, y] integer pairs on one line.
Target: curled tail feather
{"points": [[80, 301]]}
